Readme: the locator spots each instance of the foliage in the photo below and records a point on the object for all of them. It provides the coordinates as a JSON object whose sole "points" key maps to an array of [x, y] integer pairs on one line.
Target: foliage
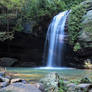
{"points": [[88, 64], [12, 4], [77, 46], [62, 87], [36, 11], [74, 23], [18, 26], [72, 3], [87, 27], [85, 80], [39, 10], [75, 81], [6, 35], [8, 17]]}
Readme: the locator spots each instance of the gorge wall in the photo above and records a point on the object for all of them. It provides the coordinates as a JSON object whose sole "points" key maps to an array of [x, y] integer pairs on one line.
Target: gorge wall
{"points": [[25, 48]]}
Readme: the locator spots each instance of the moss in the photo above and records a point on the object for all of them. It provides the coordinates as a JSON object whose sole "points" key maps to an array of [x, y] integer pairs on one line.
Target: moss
{"points": [[62, 87], [74, 23], [77, 46]]}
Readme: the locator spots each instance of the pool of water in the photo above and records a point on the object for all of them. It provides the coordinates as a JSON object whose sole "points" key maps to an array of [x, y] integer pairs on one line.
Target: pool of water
{"points": [[37, 73]]}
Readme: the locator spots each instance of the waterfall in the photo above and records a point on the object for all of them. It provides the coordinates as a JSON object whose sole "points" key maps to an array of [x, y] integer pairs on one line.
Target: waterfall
{"points": [[55, 40]]}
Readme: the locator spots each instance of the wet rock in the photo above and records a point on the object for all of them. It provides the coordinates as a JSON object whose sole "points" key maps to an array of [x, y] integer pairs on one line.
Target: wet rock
{"points": [[3, 84], [17, 80], [4, 79], [51, 82], [84, 87], [71, 87], [20, 87], [2, 73], [39, 86], [79, 88]]}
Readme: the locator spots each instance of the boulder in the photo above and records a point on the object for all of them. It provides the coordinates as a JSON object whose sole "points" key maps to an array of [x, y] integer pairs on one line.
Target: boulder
{"points": [[39, 86], [71, 87], [2, 79], [17, 80], [51, 82], [20, 87], [4, 82], [2, 73], [6, 61], [84, 87]]}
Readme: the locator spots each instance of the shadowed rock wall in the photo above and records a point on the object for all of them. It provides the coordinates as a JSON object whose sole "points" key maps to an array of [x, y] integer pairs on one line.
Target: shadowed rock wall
{"points": [[24, 47]]}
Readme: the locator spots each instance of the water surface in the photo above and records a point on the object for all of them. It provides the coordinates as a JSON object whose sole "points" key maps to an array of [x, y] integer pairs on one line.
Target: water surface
{"points": [[37, 73]]}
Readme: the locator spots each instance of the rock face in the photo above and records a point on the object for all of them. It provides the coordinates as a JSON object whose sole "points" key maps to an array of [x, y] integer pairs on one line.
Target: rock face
{"points": [[85, 36], [85, 39], [89, 3], [25, 48]]}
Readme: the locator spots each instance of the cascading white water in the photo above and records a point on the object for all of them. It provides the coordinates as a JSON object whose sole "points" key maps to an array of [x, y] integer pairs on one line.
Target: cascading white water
{"points": [[55, 40]]}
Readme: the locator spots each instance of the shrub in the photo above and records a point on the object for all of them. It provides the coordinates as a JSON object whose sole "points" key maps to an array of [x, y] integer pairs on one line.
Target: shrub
{"points": [[74, 23]]}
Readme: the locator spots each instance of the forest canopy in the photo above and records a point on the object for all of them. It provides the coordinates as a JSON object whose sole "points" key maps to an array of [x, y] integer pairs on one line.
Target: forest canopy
{"points": [[14, 13]]}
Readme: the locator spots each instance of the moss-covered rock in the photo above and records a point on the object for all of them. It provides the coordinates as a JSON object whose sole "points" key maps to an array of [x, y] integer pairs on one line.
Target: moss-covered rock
{"points": [[85, 36], [74, 23], [80, 32]]}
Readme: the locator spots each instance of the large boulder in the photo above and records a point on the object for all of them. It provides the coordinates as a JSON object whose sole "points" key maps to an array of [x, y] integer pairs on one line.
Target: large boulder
{"points": [[20, 87], [79, 88], [17, 80]]}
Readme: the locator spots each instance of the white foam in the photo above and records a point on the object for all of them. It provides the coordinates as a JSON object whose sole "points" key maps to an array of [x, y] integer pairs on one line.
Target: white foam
{"points": [[53, 68]]}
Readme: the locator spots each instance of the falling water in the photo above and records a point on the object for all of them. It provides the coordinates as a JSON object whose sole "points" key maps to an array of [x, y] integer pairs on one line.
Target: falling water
{"points": [[55, 40]]}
